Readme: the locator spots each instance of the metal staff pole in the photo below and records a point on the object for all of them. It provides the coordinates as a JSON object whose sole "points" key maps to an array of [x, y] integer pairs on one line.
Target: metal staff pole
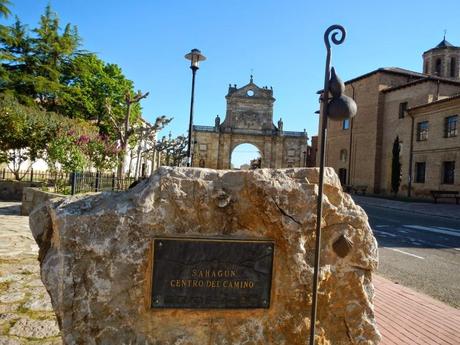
{"points": [[342, 107]]}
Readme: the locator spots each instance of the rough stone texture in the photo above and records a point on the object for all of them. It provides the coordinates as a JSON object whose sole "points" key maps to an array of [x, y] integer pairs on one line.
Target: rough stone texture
{"points": [[32, 197], [96, 259]]}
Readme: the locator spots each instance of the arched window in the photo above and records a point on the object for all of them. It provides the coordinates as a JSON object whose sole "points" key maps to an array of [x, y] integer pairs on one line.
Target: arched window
{"points": [[438, 67], [425, 68], [343, 155], [453, 67]]}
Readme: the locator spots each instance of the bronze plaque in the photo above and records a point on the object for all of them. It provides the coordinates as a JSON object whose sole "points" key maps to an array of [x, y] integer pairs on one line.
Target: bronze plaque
{"points": [[201, 273]]}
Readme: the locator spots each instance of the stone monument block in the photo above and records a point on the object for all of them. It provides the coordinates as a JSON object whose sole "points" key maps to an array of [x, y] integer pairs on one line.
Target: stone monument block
{"points": [[198, 256]]}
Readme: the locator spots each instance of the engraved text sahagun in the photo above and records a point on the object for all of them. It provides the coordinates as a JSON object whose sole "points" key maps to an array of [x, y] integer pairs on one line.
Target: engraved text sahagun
{"points": [[199, 273]]}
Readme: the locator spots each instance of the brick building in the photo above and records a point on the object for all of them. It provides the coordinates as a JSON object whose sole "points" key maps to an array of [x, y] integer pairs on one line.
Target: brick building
{"points": [[394, 102]]}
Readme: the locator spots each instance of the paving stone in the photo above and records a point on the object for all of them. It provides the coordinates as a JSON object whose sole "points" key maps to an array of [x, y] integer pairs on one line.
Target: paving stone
{"points": [[11, 297], [57, 341], [20, 277], [39, 303], [29, 328], [8, 341], [8, 308], [10, 277], [35, 283], [7, 317]]}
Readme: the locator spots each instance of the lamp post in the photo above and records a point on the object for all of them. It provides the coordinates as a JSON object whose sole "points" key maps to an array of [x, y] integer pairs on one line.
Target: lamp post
{"points": [[338, 107], [195, 57]]}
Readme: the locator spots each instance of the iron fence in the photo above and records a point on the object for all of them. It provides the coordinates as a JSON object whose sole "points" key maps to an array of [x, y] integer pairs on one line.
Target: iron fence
{"points": [[71, 183]]}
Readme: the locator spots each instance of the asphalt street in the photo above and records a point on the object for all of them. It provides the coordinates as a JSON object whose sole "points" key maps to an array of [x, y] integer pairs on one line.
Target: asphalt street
{"points": [[419, 251]]}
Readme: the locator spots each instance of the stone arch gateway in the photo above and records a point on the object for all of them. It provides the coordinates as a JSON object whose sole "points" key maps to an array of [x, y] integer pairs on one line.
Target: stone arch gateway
{"points": [[245, 154], [248, 120]]}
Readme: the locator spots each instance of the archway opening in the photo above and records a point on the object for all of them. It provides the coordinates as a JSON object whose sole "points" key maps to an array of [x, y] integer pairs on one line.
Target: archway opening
{"points": [[245, 157]]}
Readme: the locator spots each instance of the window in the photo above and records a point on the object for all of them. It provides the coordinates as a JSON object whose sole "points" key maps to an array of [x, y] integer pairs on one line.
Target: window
{"points": [[291, 153], [422, 131], [425, 68], [402, 109], [343, 176], [448, 172], [343, 155], [453, 66], [420, 172], [346, 124], [450, 126], [438, 67]]}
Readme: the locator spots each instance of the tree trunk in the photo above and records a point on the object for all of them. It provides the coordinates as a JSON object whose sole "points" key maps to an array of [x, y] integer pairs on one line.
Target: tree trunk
{"points": [[395, 167]]}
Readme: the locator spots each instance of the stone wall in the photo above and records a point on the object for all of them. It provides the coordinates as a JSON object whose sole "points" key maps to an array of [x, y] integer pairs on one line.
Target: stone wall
{"points": [[12, 190], [96, 258], [436, 149], [33, 197]]}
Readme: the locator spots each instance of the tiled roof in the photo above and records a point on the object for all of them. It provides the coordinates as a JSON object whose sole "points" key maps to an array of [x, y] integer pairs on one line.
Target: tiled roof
{"points": [[444, 44], [390, 70], [423, 80], [435, 102]]}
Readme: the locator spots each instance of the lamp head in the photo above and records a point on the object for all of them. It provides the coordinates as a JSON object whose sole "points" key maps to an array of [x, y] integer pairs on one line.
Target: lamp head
{"points": [[195, 57]]}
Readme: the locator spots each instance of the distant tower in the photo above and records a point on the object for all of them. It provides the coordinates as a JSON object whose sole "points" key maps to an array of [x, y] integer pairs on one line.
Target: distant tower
{"points": [[442, 60]]}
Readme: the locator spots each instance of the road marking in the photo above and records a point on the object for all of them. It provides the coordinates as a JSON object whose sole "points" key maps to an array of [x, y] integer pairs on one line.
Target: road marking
{"points": [[436, 230], [380, 232], [403, 252], [444, 228], [447, 247]]}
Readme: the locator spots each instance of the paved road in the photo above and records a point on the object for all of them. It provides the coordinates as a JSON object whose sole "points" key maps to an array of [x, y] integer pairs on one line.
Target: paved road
{"points": [[419, 251]]}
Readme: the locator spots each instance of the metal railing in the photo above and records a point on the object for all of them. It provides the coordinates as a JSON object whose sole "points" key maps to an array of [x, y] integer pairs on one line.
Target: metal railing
{"points": [[204, 128], [71, 183], [251, 131], [294, 134]]}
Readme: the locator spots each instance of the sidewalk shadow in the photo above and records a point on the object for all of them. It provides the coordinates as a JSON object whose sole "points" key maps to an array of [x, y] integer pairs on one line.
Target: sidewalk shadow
{"points": [[10, 210]]}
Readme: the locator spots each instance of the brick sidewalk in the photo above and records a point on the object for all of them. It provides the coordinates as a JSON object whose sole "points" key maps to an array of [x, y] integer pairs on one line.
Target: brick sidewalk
{"points": [[406, 317]]}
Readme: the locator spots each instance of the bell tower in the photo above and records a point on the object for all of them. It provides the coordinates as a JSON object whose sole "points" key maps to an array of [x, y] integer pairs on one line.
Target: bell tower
{"points": [[442, 61], [249, 107]]}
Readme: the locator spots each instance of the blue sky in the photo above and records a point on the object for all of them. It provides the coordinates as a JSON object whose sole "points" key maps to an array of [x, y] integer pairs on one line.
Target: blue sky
{"points": [[281, 41]]}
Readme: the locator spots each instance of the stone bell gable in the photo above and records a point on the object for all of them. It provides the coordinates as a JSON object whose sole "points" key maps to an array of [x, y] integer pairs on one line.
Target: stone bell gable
{"points": [[249, 107]]}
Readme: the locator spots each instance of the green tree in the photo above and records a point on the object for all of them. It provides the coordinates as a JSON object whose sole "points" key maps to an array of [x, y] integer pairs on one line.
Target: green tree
{"points": [[91, 85], [174, 150], [396, 166], [68, 148], [53, 51], [24, 135], [102, 152], [34, 66], [4, 10]]}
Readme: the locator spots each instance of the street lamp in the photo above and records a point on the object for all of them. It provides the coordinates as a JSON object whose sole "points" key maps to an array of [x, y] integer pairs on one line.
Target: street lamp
{"points": [[338, 107], [195, 57]]}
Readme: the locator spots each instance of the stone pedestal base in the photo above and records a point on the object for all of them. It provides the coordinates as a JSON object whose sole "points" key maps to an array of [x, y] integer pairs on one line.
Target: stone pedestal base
{"points": [[96, 258]]}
